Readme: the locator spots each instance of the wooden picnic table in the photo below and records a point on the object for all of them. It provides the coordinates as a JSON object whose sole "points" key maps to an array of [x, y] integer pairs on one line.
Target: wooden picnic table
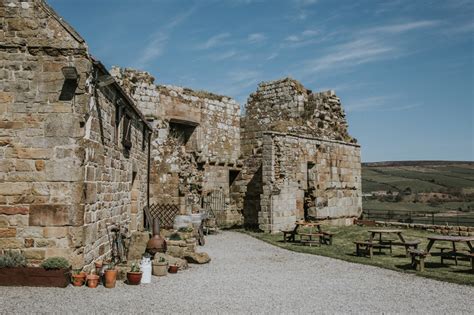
{"points": [[385, 231], [454, 253], [301, 224]]}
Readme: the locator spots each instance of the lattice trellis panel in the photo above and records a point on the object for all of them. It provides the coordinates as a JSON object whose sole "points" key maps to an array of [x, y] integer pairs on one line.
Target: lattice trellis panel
{"points": [[165, 212]]}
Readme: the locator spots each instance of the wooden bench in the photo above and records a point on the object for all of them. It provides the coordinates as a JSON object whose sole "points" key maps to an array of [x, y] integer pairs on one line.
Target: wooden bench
{"points": [[365, 248], [408, 245], [310, 238], [289, 236], [326, 238], [443, 255], [418, 259]]}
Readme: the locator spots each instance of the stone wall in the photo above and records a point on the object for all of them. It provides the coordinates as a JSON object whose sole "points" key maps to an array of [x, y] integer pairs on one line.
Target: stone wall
{"points": [[61, 176], [440, 229], [299, 160], [308, 178], [196, 141]]}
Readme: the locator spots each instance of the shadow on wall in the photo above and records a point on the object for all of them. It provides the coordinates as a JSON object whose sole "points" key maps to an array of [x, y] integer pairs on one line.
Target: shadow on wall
{"points": [[252, 200]]}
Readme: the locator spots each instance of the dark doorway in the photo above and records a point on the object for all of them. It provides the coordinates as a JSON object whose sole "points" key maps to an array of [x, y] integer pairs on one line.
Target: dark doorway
{"points": [[310, 191]]}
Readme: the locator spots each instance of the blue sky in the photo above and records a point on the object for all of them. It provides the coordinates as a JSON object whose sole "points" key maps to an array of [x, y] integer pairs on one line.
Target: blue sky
{"points": [[404, 69]]}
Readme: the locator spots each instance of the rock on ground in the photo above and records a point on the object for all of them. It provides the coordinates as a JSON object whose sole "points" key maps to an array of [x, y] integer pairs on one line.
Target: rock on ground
{"points": [[249, 276]]}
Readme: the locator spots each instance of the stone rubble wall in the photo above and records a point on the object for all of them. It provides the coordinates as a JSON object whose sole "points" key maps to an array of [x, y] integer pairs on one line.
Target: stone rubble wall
{"points": [[41, 210], [286, 129], [115, 180], [286, 106], [335, 180], [183, 173], [440, 229], [61, 177]]}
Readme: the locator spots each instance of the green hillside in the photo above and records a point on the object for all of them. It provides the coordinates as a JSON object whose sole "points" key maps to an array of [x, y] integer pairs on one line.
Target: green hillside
{"points": [[420, 192], [419, 178]]}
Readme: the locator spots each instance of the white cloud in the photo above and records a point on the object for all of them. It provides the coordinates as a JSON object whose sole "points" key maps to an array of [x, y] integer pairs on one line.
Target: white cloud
{"points": [[223, 55], [380, 104], [153, 49], [157, 42], [256, 38], [403, 27], [304, 3], [302, 36], [213, 41], [352, 53]]}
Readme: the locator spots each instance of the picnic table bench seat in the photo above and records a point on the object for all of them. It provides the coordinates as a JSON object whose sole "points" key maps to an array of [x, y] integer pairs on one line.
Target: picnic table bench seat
{"points": [[412, 244], [326, 238], [364, 248], [418, 258], [310, 238], [288, 235]]}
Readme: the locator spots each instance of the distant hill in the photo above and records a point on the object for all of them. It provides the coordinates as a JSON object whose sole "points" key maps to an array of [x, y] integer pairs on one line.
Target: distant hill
{"points": [[416, 163], [418, 176], [396, 189]]}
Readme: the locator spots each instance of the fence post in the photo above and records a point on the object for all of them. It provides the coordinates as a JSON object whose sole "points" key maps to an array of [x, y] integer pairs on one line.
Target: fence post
{"points": [[432, 218]]}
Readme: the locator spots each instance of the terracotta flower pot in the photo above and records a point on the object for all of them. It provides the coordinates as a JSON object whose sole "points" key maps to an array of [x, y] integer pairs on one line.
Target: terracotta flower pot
{"points": [[110, 278], [173, 269], [78, 280], [92, 281], [134, 278]]}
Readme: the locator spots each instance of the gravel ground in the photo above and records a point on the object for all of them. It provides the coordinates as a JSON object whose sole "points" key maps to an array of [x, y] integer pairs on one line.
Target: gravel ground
{"points": [[250, 276]]}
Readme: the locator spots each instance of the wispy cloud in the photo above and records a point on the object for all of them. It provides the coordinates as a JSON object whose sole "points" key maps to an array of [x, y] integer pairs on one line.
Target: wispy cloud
{"points": [[157, 41], [355, 52], [379, 103], [255, 38], [304, 3], [213, 41], [223, 55], [402, 27], [362, 46], [303, 36]]}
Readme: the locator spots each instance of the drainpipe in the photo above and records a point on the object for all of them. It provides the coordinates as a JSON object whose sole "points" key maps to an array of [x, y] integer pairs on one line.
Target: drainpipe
{"points": [[148, 173]]}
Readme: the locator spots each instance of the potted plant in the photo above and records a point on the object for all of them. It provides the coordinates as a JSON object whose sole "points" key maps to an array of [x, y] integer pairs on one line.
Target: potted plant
{"points": [[160, 267], [110, 276], [78, 278], [134, 276], [53, 272], [173, 268], [92, 280]]}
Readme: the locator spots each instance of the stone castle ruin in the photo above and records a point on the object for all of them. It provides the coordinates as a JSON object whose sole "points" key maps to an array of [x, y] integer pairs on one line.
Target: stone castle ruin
{"points": [[81, 147]]}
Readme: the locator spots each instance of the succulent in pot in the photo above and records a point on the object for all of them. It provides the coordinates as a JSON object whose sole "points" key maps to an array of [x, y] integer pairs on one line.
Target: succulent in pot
{"points": [[78, 278], [134, 276]]}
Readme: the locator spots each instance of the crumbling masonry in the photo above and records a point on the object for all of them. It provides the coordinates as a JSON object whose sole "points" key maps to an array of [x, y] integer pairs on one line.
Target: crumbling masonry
{"points": [[80, 149]]}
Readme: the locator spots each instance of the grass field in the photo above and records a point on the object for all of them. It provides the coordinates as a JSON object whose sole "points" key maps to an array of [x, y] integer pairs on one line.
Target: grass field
{"points": [[452, 178], [343, 248], [419, 178]]}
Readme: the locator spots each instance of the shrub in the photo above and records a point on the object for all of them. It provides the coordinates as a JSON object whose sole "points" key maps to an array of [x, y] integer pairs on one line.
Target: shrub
{"points": [[12, 259], [55, 263]]}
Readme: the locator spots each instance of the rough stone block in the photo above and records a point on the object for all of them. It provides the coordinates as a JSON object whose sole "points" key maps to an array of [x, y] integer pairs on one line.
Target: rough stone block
{"points": [[7, 232], [11, 210], [49, 215]]}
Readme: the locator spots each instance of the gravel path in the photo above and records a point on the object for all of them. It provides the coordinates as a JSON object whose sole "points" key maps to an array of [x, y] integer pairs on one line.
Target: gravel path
{"points": [[250, 276]]}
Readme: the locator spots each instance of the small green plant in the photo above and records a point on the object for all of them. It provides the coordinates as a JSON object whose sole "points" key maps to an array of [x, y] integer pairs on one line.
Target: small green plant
{"points": [[135, 267], [55, 263], [162, 260], [185, 229], [111, 266], [12, 259], [175, 237]]}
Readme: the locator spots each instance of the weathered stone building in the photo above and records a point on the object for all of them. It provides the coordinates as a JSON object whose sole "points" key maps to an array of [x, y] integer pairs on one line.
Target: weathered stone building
{"points": [[73, 147], [76, 152], [300, 161], [195, 148]]}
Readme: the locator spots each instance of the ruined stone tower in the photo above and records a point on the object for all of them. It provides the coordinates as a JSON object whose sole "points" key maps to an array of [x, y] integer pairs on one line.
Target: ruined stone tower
{"points": [[300, 161]]}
